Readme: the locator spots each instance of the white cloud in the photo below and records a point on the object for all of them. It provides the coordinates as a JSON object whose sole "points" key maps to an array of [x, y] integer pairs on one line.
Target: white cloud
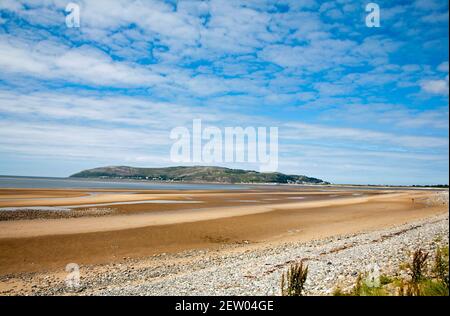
{"points": [[301, 131], [436, 86], [82, 64], [436, 18], [443, 67], [136, 112], [11, 5], [389, 115], [321, 54], [428, 4]]}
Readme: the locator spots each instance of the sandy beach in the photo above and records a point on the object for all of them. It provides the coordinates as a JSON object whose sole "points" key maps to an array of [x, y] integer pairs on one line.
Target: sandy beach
{"points": [[143, 223]]}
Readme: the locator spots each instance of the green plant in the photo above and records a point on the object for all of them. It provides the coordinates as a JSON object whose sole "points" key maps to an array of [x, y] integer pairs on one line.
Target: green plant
{"points": [[417, 267], [417, 272], [293, 282], [361, 288], [384, 279], [357, 289], [433, 288], [420, 283], [440, 267], [401, 288]]}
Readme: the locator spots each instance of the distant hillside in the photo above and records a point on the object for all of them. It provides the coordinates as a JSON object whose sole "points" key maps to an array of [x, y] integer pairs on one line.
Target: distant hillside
{"points": [[194, 174]]}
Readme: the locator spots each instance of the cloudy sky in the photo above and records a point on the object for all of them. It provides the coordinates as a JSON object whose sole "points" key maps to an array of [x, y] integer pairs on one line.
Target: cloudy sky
{"points": [[352, 104]]}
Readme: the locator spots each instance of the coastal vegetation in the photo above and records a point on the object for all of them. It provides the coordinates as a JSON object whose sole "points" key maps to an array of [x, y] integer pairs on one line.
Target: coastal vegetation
{"points": [[293, 281], [425, 278]]}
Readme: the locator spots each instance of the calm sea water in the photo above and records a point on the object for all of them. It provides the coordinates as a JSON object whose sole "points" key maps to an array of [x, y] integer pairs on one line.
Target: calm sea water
{"points": [[69, 183]]}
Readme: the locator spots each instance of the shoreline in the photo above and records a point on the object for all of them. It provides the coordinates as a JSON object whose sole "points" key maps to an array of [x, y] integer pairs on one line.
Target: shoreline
{"points": [[213, 183], [259, 219]]}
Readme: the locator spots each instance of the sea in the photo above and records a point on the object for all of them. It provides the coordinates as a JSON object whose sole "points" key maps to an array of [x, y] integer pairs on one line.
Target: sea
{"points": [[77, 183]]}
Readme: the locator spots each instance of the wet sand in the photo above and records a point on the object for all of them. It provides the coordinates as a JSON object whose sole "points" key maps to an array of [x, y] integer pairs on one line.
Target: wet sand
{"points": [[140, 230]]}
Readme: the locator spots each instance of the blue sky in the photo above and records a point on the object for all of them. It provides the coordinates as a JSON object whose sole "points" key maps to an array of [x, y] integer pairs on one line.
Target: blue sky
{"points": [[353, 104]]}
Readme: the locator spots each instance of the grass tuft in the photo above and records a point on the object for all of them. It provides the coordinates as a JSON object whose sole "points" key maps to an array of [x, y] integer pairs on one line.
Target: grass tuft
{"points": [[418, 265], [440, 267], [293, 281]]}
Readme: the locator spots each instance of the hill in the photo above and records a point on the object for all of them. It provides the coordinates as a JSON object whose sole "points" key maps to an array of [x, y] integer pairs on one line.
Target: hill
{"points": [[195, 174]]}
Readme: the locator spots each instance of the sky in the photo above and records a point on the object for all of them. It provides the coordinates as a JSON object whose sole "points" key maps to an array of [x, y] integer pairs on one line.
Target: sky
{"points": [[352, 104]]}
